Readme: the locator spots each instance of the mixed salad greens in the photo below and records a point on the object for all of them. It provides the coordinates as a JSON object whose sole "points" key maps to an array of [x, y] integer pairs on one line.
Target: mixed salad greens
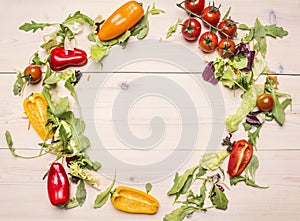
{"points": [[241, 71]]}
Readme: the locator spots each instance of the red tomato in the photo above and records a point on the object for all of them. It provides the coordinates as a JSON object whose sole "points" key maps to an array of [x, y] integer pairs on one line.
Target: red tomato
{"points": [[195, 6], [211, 15], [226, 48], [191, 29], [265, 102], [228, 26], [208, 41], [58, 185], [239, 158], [33, 74]]}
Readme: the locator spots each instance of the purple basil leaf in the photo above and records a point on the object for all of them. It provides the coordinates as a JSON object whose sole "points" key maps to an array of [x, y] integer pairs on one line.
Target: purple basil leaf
{"points": [[250, 57], [78, 75], [252, 119], [208, 73], [242, 50]]}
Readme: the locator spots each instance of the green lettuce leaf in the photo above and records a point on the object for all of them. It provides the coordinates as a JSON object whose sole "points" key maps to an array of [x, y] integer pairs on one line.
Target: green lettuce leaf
{"points": [[247, 104], [213, 161]]}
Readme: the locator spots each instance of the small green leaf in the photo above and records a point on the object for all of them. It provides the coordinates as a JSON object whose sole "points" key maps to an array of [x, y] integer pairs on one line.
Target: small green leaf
{"points": [[252, 167], [202, 195], [275, 31], [253, 135], [148, 187], [201, 172], [278, 110], [18, 85], [156, 11], [235, 180], [71, 204], [98, 51], [180, 213], [213, 161], [219, 200], [102, 197], [80, 18], [247, 104], [36, 60], [34, 26], [243, 27], [81, 193], [141, 29], [61, 107], [9, 142], [179, 181], [172, 29]]}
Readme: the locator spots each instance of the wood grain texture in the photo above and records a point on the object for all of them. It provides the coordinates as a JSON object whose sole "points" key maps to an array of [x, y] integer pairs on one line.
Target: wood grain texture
{"points": [[23, 192]]}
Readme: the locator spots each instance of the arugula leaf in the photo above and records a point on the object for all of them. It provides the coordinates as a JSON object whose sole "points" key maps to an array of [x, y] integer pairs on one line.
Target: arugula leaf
{"points": [[172, 29], [260, 37], [37, 60], [81, 193], [252, 136], [275, 31], [247, 180], [19, 84], [252, 167], [156, 11], [102, 197], [278, 110], [34, 26], [180, 213], [219, 200], [71, 204], [180, 181], [259, 33], [80, 18]]}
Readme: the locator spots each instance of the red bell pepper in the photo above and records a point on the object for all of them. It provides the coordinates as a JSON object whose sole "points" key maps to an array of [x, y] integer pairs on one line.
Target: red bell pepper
{"points": [[240, 157], [61, 59], [58, 185]]}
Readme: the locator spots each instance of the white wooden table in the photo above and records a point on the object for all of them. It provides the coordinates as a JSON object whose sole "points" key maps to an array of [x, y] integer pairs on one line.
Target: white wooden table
{"points": [[22, 190]]}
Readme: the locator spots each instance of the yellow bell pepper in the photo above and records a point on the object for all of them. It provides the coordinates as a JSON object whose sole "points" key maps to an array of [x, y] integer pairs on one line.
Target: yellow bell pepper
{"points": [[134, 201], [35, 107]]}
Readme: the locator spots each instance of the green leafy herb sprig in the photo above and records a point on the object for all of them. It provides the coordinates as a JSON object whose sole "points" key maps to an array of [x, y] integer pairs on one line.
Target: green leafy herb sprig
{"points": [[259, 33], [64, 30]]}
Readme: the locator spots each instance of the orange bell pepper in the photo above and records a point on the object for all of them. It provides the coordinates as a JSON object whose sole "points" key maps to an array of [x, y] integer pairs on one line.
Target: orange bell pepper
{"points": [[35, 107], [121, 20], [134, 201]]}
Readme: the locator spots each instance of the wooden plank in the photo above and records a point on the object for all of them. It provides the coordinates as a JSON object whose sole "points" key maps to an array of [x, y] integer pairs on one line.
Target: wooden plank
{"points": [[14, 42], [141, 112], [23, 189]]}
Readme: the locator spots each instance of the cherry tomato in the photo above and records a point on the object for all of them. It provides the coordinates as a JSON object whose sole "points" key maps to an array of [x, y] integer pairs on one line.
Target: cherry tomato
{"points": [[265, 102], [191, 29], [226, 48], [195, 6], [33, 74], [239, 158], [208, 41], [228, 26], [211, 14]]}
